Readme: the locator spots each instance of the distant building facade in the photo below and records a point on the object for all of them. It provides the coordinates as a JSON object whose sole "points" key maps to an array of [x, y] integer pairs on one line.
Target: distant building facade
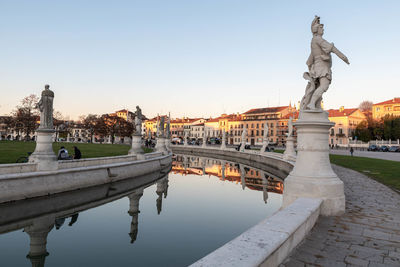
{"points": [[389, 107], [346, 121]]}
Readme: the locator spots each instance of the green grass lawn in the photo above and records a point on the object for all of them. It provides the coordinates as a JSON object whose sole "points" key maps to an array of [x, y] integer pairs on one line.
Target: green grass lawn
{"points": [[384, 171], [10, 151]]}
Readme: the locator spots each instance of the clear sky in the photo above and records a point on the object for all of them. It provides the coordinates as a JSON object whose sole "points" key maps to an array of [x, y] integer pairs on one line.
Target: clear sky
{"points": [[193, 58]]}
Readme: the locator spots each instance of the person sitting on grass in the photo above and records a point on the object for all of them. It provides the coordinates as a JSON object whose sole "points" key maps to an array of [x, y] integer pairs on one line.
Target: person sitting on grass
{"points": [[77, 153], [62, 154]]}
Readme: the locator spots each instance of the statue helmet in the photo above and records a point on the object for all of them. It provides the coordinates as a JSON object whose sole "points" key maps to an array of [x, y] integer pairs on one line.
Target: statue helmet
{"points": [[315, 24]]}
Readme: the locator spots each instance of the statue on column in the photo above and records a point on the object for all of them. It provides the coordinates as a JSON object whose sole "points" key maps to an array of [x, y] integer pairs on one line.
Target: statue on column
{"points": [[319, 66], [45, 106]]}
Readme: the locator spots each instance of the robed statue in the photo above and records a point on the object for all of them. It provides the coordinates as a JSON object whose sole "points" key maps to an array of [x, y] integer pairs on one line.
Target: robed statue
{"points": [[138, 120], [319, 66], [45, 106]]}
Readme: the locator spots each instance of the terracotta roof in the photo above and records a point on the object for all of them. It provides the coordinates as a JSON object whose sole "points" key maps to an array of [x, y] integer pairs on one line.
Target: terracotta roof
{"points": [[341, 112], [395, 100], [199, 124], [295, 115], [213, 120], [265, 110]]}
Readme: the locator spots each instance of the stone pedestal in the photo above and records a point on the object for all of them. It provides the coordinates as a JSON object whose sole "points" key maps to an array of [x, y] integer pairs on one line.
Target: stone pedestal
{"points": [[44, 155], [168, 144], [290, 153], [136, 147], [160, 146], [312, 175], [204, 142]]}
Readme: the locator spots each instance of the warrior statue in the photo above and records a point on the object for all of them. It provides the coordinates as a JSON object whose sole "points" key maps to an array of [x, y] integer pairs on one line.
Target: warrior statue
{"points": [[138, 121], [45, 106], [319, 66]]}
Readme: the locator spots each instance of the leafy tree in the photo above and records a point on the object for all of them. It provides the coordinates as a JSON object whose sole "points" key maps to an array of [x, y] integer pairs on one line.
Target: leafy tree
{"points": [[90, 123], [362, 132], [114, 125]]}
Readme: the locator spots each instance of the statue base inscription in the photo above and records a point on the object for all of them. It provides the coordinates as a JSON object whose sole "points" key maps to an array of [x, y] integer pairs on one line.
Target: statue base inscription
{"points": [[312, 175], [44, 155]]}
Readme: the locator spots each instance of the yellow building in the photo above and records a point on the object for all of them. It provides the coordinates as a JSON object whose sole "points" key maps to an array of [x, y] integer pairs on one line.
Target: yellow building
{"points": [[389, 107], [346, 121]]}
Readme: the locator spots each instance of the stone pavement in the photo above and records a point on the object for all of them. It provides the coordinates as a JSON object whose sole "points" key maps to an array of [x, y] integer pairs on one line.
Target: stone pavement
{"points": [[395, 156], [368, 234]]}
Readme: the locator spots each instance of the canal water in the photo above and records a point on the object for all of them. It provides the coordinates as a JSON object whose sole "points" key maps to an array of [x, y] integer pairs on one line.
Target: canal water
{"points": [[198, 206]]}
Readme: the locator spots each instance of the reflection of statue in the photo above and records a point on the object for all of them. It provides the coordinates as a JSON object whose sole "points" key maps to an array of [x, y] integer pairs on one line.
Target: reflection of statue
{"points": [[45, 106], [134, 212], [290, 127], [162, 188], [319, 65], [138, 121]]}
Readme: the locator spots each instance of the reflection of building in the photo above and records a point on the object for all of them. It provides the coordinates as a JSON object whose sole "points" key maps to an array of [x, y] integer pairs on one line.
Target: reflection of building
{"points": [[253, 179], [389, 107], [346, 121]]}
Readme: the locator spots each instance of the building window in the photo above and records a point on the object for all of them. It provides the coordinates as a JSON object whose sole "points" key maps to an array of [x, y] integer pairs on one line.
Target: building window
{"points": [[332, 131]]}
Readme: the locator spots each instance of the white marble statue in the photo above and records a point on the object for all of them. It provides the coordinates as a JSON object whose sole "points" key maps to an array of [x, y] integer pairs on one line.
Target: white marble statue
{"points": [[45, 106], [168, 130], [138, 121], [243, 143], [185, 140], [160, 127], [319, 65], [290, 127]]}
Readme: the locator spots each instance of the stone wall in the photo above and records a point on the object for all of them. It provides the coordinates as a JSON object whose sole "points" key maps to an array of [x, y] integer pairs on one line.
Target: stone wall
{"points": [[17, 186]]}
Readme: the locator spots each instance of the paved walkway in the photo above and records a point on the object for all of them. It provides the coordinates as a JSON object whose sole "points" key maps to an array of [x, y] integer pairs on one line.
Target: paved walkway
{"points": [[368, 234], [368, 154]]}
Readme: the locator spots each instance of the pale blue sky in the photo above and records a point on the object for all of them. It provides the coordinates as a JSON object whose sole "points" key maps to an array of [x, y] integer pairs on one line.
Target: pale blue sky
{"points": [[193, 58]]}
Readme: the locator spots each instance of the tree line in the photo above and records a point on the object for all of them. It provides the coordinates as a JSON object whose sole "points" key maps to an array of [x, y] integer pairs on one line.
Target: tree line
{"points": [[25, 120], [388, 127]]}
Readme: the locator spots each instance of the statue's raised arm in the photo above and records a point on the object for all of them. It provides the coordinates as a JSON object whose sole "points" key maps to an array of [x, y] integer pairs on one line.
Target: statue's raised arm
{"points": [[319, 65]]}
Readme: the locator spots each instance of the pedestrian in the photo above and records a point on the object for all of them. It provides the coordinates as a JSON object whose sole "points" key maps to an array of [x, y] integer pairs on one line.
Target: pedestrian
{"points": [[62, 154], [77, 153], [351, 151]]}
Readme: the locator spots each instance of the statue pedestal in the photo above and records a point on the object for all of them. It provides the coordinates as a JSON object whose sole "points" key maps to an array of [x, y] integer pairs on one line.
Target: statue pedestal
{"points": [[168, 144], [44, 155], [290, 153], [312, 175], [264, 145], [160, 146], [136, 147]]}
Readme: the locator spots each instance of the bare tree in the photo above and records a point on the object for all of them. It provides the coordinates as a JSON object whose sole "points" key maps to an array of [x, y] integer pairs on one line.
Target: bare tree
{"points": [[366, 106], [26, 116]]}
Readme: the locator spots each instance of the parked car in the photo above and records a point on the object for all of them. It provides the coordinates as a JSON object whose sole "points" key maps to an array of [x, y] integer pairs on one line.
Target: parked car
{"points": [[394, 149], [384, 149], [373, 148]]}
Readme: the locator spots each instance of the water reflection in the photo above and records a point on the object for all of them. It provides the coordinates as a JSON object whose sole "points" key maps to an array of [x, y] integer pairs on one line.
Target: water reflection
{"points": [[248, 177], [39, 216]]}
